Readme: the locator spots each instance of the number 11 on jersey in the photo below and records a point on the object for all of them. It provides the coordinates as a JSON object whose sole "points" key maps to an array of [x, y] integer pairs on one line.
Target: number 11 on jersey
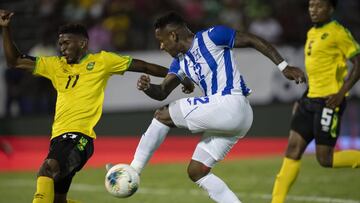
{"points": [[72, 77]]}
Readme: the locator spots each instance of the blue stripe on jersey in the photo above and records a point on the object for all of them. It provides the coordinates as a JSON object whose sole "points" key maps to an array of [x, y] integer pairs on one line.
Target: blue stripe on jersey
{"points": [[222, 36], [210, 61], [245, 90], [175, 67], [229, 72], [187, 71], [202, 80]]}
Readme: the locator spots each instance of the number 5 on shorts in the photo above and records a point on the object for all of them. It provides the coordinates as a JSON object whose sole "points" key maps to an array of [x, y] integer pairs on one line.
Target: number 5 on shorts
{"points": [[326, 118]]}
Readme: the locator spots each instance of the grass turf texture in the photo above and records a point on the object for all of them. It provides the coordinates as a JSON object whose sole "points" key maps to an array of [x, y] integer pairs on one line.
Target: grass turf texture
{"points": [[251, 180]]}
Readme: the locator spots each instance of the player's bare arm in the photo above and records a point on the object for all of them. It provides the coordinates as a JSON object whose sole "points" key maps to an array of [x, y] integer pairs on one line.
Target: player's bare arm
{"points": [[159, 71], [354, 75], [243, 39], [158, 92], [188, 86], [148, 68], [13, 56]]}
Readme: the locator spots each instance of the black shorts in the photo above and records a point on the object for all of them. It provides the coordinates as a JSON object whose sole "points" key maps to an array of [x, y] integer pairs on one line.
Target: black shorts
{"points": [[72, 150], [312, 119]]}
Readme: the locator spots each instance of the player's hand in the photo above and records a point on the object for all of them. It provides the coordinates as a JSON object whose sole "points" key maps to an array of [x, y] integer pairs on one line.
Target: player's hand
{"points": [[294, 73], [5, 17], [334, 100], [188, 86], [143, 83]]}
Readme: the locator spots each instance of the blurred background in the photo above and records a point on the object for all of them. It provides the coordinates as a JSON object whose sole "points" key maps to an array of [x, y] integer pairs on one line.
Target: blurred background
{"points": [[126, 27]]}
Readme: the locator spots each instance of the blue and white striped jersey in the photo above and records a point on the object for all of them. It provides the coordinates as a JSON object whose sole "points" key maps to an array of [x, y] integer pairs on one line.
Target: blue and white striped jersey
{"points": [[210, 63]]}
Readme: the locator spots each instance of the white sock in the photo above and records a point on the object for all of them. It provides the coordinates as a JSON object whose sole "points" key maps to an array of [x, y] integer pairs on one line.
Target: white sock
{"points": [[149, 142], [217, 189]]}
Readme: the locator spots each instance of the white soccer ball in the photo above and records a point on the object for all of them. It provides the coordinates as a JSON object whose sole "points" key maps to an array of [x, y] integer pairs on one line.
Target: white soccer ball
{"points": [[122, 180]]}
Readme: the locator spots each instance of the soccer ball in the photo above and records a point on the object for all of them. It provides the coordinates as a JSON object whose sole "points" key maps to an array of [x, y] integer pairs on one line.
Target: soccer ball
{"points": [[122, 180]]}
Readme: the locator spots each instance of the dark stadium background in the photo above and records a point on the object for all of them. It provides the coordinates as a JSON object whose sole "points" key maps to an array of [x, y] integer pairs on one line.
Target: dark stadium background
{"points": [[125, 26]]}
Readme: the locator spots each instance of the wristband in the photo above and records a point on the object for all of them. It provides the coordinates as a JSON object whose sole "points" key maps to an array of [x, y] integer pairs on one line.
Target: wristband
{"points": [[282, 65]]}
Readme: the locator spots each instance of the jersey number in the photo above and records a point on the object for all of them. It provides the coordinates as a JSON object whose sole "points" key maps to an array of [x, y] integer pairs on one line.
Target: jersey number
{"points": [[326, 117], [310, 47], [196, 100], [72, 77]]}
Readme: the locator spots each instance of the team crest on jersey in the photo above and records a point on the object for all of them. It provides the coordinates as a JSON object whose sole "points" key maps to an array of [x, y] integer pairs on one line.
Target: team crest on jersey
{"points": [[90, 66], [324, 36]]}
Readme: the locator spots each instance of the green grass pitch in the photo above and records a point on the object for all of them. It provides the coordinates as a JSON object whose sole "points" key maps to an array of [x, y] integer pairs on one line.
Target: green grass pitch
{"points": [[251, 179]]}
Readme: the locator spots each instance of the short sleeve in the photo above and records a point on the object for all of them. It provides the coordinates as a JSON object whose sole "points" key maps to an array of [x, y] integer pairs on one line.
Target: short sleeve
{"points": [[116, 63], [222, 36], [175, 69], [347, 44], [45, 66]]}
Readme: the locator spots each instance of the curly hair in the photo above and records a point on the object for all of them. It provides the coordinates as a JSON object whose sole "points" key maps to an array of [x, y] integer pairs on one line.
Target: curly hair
{"points": [[74, 28]]}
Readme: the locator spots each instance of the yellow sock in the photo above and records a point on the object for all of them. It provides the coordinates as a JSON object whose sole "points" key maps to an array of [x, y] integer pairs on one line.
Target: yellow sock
{"points": [[284, 179], [44, 190], [346, 159]]}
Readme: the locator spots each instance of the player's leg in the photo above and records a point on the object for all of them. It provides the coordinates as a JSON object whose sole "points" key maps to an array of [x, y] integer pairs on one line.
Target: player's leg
{"points": [[346, 159], [328, 130], [211, 149], [290, 167], [300, 135], [220, 116], [45, 181], [62, 187], [152, 138], [68, 154]]}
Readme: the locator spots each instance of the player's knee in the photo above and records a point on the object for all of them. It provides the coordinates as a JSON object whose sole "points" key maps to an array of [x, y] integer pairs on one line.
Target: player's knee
{"points": [[294, 151], [163, 116], [50, 168], [296, 146], [196, 172], [324, 161]]}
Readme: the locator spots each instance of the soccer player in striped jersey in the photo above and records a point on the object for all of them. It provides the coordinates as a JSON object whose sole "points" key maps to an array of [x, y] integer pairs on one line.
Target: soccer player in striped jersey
{"points": [[318, 113], [223, 113], [80, 79]]}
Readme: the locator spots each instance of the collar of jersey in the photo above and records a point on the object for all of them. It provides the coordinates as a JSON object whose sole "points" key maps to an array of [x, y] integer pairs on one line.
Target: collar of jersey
{"points": [[192, 44], [84, 58], [321, 25]]}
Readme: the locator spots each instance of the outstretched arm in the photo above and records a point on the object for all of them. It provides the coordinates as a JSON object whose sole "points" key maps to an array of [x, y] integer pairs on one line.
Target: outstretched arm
{"points": [[159, 71], [148, 68], [158, 92], [243, 39], [13, 57], [354, 75]]}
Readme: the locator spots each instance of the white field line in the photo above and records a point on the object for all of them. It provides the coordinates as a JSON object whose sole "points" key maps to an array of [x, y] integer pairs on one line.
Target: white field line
{"points": [[151, 191]]}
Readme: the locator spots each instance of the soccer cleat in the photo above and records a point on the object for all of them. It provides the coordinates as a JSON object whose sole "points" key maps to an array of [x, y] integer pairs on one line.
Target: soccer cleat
{"points": [[108, 166]]}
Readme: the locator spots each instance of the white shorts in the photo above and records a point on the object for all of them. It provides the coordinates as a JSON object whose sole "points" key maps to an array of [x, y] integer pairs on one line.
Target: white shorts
{"points": [[224, 119]]}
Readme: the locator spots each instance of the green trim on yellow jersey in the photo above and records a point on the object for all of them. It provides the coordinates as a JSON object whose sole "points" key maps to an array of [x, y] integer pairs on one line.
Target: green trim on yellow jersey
{"points": [[36, 63], [354, 54], [129, 64], [84, 58]]}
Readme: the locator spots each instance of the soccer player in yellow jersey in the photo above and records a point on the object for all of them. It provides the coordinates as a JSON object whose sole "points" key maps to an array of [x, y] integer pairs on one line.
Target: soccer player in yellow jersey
{"points": [[80, 79], [318, 113]]}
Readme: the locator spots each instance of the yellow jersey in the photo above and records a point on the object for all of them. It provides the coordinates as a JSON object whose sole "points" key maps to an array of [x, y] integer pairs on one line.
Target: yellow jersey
{"points": [[80, 88], [327, 49]]}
